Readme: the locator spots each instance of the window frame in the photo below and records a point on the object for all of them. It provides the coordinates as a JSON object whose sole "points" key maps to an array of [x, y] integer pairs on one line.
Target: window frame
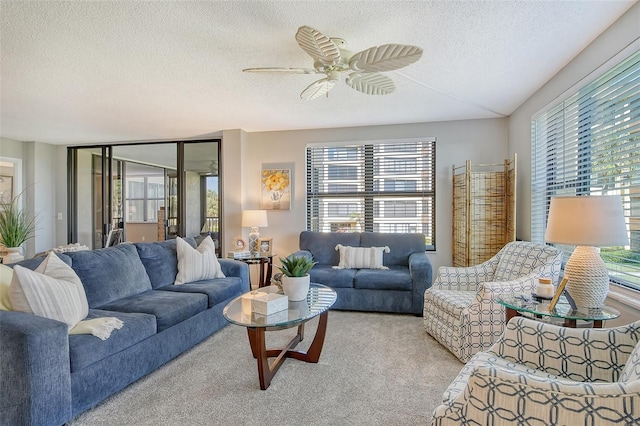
{"points": [[374, 161], [587, 143]]}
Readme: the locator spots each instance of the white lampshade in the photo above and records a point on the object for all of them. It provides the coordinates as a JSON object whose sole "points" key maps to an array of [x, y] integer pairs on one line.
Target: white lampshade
{"points": [[254, 218], [587, 222]]}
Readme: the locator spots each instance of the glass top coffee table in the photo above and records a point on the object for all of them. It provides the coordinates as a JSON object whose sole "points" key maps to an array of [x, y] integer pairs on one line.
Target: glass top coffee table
{"points": [[319, 299], [523, 304]]}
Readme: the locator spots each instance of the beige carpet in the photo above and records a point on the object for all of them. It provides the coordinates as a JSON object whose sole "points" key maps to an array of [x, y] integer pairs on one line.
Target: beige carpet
{"points": [[375, 369]]}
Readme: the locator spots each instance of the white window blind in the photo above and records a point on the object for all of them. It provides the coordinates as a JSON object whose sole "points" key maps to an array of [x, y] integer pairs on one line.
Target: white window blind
{"points": [[378, 187], [589, 144]]}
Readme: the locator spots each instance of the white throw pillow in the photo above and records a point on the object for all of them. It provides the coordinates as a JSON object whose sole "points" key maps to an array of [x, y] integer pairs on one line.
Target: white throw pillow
{"points": [[361, 257], [6, 274], [197, 264], [52, 291]]}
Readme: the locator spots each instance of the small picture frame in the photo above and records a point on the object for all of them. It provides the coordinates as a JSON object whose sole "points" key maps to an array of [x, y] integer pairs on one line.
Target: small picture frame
{"points": [[265, 246], [556, 296], [239, 244]]}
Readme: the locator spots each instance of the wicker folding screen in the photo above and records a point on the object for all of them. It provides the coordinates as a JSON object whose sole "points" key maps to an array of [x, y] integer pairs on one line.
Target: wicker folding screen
{"points": [[484, 205]]}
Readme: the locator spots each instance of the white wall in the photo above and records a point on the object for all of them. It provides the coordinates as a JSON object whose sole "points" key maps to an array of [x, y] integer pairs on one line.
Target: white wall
{"points": [[232, 171], [615, 39], [38, 185], [481, 141]]}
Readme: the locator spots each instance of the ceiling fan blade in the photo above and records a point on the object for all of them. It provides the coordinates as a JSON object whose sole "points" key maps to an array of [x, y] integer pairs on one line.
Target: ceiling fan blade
{"points": [[385, 58], [371, 84], [320, 47], [282, 70], [317, 89]]}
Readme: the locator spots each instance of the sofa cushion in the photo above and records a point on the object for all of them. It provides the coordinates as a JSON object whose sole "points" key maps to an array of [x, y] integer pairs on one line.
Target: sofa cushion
{"points": [[110, 273], [394, 278], [197, 264], [322, 245], [52, 291], [336, 278], [168, 307], [361, 257], [401, 245], [217, 290], [161, 260], [85, 349]]}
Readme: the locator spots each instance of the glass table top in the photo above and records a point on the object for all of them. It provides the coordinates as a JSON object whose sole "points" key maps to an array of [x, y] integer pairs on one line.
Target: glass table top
{"points": [[524, 303], [319, 299]]}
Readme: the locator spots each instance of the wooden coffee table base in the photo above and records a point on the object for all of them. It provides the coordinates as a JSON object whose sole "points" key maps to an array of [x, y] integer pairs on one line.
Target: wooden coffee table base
{"points": [[258, 343]]}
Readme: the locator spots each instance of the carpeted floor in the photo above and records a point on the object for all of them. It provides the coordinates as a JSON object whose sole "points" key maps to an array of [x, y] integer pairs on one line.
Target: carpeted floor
{"points": [[375, 369]]}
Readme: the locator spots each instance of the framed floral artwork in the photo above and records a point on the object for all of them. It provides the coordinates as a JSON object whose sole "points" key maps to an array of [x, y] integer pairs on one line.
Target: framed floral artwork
{"points": [[277, 187]]}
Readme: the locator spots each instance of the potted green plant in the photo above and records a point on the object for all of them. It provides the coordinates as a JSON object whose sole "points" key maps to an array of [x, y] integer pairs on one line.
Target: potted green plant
{"points": [[295, 276], [16, 227]]}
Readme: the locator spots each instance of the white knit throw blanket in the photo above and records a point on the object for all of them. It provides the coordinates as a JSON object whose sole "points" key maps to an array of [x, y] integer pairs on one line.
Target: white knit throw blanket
{"points": [[99, 327]]}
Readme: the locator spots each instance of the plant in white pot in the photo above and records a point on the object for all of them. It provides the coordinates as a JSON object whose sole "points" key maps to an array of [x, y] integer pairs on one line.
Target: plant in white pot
{"points": [[16, 227], [295, 276]]}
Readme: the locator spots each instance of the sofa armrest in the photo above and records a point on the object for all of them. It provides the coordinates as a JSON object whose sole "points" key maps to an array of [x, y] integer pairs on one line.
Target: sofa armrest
{"points": [[35, 377], [235, 268], [300, 253], [421, 276]]}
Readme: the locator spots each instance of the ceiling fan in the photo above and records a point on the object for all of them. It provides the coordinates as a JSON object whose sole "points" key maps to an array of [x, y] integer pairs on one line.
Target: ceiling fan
{"points": [[362, 69]]}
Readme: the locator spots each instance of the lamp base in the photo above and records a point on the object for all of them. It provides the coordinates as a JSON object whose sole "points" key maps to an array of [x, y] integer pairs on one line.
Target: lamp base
{"points": [[253, 240], [587, 277]]}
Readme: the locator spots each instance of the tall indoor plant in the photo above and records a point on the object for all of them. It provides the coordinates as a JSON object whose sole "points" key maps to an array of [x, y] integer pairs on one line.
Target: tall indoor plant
{"points": [[295, 278], [16, 227]]}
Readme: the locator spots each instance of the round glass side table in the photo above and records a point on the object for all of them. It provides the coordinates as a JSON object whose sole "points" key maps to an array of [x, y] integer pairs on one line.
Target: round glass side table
{"points": [[525, 305]]}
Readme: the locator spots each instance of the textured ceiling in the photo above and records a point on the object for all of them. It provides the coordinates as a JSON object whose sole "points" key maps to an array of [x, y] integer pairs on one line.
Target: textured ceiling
{"points": [[106, 71]]}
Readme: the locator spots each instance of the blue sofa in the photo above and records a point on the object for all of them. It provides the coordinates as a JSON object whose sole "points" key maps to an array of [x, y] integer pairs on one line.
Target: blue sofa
{"points": [[47, 376], [397, 289]]}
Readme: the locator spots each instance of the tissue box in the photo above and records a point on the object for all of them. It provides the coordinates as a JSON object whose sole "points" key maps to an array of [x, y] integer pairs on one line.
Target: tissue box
{"points": [[272, 319], [269, 303]]}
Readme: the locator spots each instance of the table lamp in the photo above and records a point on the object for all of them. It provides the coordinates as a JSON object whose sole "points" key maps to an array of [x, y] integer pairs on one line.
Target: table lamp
{"points": [[254, 219], [587, 222]]}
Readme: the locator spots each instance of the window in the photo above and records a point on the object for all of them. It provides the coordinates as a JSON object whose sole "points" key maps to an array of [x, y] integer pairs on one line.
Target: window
{"points": [[145, 192], [589, 144], [381, 187]]}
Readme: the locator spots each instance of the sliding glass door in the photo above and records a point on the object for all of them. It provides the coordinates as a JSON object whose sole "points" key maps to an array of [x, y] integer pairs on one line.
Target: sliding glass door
{"points": [[143, 192]]}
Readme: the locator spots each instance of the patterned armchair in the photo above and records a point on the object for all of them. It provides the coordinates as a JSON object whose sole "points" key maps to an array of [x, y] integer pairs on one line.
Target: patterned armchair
{"points": [[460, 309], [543, 374]]}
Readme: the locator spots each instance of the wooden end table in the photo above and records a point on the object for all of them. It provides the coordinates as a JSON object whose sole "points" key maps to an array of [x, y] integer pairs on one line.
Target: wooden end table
{"points": [[265, 263]]}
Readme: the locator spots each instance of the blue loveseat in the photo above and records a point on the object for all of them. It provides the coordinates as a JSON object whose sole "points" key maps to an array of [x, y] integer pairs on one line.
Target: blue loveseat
{"points": [[397, 289], [47, 376]]}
